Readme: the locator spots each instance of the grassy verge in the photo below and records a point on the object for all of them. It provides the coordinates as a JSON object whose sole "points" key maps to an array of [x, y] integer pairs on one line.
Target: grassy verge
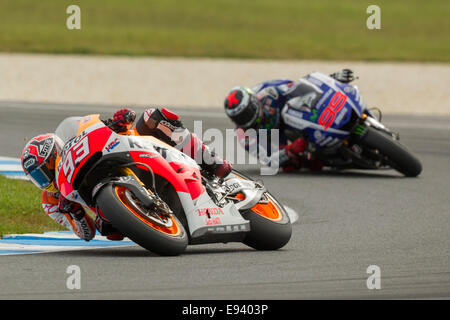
{"points": [[411, 30], [21, 210]]}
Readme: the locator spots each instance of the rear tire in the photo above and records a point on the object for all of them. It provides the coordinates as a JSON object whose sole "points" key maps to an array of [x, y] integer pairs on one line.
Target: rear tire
{"points": [[403, 161], [163, 242]]}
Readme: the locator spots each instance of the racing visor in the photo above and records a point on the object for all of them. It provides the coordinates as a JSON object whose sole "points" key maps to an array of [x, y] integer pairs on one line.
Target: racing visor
{"points": [[251, 115], [41, 176]]}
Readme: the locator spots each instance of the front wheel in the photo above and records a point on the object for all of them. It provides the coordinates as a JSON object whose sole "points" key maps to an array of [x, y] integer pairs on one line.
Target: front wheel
{"points": [[163, 235], [270, 226], [397, 155]]}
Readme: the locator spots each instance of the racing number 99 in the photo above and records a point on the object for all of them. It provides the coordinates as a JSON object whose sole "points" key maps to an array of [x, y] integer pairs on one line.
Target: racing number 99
{"points": [[328, 115]]}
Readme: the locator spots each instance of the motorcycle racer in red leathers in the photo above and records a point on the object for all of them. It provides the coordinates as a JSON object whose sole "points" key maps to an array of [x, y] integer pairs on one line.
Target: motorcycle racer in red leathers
{"points": [[40, 153]]}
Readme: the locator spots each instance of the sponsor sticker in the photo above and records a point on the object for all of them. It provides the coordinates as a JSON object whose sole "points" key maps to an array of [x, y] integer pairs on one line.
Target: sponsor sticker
{"points": [[210, 211], [112, 145]]}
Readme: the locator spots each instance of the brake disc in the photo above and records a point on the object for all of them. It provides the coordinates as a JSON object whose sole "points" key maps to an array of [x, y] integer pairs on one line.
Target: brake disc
{"points": [[159, 214]]}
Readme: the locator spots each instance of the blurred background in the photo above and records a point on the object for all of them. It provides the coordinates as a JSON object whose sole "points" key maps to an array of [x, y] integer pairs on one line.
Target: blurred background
{"points": [[190, 53], [411, 30]]}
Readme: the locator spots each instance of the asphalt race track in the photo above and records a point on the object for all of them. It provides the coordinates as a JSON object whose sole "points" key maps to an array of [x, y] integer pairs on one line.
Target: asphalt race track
{"points": [[348, 222]]}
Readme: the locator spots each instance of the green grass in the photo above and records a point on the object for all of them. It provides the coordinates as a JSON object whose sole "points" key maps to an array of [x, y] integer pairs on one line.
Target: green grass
{"points": [[21, 210], [412, 30]]}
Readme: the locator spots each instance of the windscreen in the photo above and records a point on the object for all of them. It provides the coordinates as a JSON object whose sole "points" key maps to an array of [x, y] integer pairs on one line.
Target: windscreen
{"points": [[68, 128], [303, 95]]}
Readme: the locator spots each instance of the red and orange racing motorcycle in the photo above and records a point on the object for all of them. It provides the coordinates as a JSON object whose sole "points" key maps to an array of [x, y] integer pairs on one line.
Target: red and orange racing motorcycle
{"points": [[158, 196]]}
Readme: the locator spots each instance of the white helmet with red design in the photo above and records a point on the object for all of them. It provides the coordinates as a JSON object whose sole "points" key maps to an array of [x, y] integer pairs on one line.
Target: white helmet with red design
{"points": [[38, 160]]}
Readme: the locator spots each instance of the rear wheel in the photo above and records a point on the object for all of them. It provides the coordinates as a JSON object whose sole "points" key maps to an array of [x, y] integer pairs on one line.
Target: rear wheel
{"points": [[270, 226], [397, 155], [162, 234]]}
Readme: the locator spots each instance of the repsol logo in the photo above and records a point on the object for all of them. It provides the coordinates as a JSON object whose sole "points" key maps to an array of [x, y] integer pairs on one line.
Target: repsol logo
{"points": [[86, 230], [72, 142]]}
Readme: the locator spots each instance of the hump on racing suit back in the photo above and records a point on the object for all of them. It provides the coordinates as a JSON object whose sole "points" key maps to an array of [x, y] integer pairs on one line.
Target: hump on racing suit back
{"points": [[321, 108], [272, 96]]}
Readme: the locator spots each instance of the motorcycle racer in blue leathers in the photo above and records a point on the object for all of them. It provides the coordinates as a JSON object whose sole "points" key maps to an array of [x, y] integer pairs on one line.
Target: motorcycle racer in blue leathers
{"points": [[264, 107]]}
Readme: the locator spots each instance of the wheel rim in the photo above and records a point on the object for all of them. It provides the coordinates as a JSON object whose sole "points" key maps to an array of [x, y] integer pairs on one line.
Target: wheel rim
{"points": [[166, 224], [163, 221]]}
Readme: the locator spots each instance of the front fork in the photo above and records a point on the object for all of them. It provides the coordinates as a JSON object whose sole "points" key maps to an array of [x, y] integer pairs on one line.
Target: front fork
{"points": [[359, 130], [354, 148], [149, 198], [130, 180]]}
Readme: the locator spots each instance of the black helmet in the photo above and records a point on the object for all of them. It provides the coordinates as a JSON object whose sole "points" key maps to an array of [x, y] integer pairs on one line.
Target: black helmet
{"points": [[242, 107]]}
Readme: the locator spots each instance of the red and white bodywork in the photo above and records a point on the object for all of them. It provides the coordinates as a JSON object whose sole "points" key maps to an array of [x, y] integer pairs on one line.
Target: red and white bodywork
{"points": [[88, 139]]}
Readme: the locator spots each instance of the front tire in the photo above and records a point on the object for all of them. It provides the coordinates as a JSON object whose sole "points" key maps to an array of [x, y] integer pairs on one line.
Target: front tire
{"points": [[268, 232], [162, 240], [270, 226], [401, 159]]}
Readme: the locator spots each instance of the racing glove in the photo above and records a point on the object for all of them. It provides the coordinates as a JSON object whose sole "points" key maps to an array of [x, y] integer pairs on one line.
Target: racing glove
{"points": [[295, 148], [294, 152], [123, 119], [301, 157], [344, 75]]}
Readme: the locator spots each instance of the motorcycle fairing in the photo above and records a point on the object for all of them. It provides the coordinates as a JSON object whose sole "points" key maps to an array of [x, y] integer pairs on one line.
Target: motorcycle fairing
{"points": [[76, 152], [307, 119], [252, 194], [326, 83], [205, 217], [92, 137], [186, 178]]}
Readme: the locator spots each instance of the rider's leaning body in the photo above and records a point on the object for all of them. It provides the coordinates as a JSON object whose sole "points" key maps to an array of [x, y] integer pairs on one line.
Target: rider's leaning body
{"points": [[39, 163], [264, 106]]}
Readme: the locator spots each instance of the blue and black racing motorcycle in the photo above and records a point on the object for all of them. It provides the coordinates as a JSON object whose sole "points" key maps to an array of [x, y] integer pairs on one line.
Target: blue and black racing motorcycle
{"points": [[344, 132]]}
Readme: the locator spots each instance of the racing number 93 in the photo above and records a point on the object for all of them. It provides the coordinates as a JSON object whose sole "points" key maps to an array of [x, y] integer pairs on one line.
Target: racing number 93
{"points": [[328, 115], [74, 157]]}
